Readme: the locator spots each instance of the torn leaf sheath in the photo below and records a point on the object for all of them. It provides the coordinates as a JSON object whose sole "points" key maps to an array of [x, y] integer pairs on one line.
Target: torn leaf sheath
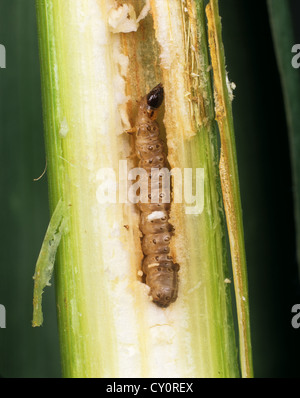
{"points": [[45, 263]]}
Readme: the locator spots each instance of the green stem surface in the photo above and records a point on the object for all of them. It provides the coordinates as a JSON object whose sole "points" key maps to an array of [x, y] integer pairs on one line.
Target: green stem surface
{"points": [[230, 183], [108, 326]]}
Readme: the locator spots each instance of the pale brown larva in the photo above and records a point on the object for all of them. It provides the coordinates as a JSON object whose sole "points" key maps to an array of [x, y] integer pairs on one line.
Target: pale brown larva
{"points": [[158, 266]]}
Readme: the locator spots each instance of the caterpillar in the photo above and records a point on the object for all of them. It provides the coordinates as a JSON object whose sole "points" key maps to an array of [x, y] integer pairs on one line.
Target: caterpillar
{"points": [[161, 272]]}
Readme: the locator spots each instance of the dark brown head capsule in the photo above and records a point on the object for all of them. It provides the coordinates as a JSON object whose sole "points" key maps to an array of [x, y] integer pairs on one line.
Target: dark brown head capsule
{"points": [[155, 97]]}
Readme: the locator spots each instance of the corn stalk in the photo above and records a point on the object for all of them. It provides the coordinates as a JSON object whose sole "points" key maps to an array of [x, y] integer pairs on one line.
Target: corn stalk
{"points": [[97, 59]]}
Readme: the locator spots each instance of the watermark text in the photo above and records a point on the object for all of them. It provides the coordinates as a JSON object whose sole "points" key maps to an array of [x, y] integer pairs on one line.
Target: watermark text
{"points": [[141, 186], [296, 58], [2, 317]]}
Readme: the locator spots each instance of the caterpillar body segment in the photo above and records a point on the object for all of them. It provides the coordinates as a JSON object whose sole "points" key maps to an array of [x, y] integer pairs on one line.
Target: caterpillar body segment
{"points": [[158, 265]]}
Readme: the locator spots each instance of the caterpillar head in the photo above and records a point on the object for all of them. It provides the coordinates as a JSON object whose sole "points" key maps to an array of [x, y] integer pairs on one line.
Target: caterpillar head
{"points": [[155, 97], [152, 101]]}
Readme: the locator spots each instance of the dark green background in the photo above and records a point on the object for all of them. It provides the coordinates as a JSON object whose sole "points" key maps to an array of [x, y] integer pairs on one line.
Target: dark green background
{"points": [[265, 178], [24, 351]]}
